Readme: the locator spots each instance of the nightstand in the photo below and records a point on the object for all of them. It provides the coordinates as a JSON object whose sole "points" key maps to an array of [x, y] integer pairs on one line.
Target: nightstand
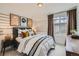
{"points": [[70, 53], [5, 44], [72, 46]]}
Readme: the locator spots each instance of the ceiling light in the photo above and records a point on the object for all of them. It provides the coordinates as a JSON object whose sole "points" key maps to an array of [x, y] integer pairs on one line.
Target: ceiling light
{"points": [[39, 4]]}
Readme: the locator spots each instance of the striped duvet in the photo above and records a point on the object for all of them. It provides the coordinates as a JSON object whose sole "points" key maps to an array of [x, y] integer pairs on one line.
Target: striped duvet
{"points": [[37, 45]]}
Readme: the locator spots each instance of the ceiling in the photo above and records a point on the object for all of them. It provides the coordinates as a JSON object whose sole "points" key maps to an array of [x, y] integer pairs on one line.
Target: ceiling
{"points": [[32, 10]]}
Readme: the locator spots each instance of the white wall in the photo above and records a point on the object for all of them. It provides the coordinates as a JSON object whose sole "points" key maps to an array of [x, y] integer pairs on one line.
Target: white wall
{"points": [[41, 23], [78, 17], [5, 27]]}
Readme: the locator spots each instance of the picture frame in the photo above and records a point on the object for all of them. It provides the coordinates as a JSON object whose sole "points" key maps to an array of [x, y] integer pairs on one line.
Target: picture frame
{"points": [[23, 21], [14, 20], [29, 23]]}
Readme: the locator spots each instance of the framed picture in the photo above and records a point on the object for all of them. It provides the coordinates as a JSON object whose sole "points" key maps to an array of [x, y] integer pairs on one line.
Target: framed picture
{"points": [[14, 20], [23, 22], [29, 23]]}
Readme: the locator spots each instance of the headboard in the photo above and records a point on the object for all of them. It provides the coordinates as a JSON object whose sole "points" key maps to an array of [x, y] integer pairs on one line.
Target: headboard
{"points": [[15, 31]]}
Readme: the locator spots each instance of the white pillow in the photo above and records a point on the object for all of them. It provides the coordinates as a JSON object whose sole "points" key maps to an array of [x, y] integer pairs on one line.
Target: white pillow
{"points": [[31, 33], [26, 30], [19, 32]]}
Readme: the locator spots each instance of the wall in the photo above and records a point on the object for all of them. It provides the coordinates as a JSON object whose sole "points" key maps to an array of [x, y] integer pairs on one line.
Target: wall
{"points": [[78, 17], [41, 24], [5, 27]]}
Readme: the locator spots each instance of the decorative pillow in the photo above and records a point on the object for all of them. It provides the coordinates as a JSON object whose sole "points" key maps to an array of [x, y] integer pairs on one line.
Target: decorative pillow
{"points": [[24, 34], [31, 33], [20, 32]]}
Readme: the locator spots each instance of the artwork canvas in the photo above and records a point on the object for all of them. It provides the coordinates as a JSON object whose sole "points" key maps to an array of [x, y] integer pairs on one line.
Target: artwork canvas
{"points": [[14, 20], [29, 23], [23, 22]]}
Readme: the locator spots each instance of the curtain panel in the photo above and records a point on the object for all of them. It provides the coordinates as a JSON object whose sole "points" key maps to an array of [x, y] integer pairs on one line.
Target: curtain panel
{"points": [[72, 22], [50, 25]]}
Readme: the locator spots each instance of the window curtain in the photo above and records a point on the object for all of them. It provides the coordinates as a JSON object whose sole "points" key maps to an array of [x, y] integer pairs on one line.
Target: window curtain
{"points": [[72, 22], [50, 25]]}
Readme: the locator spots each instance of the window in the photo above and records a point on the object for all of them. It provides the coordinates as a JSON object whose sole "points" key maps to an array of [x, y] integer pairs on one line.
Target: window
{"points": [[60, 23], [60, 27]]}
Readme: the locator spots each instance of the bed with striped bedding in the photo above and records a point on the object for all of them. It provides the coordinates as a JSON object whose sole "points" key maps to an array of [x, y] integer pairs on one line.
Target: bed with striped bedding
{"points": [[37, 45]]}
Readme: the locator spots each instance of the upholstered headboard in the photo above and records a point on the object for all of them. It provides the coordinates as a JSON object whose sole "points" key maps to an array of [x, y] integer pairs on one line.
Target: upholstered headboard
{"points": [[15, 32]]}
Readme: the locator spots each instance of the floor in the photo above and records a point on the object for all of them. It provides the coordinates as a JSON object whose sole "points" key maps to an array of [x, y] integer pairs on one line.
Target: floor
{"points": [[59, 51], [10, 52]]}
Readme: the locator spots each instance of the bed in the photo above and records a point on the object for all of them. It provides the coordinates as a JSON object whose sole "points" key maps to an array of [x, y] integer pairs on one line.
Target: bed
{"points": [[38, 45]]}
